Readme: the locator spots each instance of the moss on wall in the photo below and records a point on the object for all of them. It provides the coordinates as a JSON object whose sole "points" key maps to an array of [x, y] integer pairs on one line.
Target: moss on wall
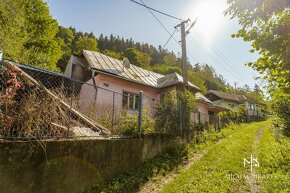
{"points": [[73, 165]]}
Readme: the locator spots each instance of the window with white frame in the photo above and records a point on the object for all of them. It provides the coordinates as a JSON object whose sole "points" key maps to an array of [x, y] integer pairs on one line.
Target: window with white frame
{"points": [[252, 107], [130, 100]]}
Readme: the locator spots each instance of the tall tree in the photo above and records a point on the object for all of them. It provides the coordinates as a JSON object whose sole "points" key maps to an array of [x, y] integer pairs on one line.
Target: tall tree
{"points": [[12, 33], [138, 58], [29, 33], [86, 43], [67, 37], [266, 23]]}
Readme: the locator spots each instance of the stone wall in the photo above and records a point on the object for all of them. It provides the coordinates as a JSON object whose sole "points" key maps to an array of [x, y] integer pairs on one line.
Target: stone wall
{"points": [[64, 166]]}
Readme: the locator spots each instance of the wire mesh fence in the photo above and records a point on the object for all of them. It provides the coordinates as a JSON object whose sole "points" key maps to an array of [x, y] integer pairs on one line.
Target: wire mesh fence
{"points": [[50, 105]]}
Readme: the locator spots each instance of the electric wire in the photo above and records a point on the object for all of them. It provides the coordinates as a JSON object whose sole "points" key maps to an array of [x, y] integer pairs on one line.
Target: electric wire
{"points": [[233, 72], [156, 10], [221, 64], [222, 57], [171, 34], [160, 22], [169, 38], [215, 50]]}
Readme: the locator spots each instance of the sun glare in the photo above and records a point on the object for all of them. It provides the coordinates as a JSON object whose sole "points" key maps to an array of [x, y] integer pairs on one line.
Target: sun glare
{"points": [[210, 18]]}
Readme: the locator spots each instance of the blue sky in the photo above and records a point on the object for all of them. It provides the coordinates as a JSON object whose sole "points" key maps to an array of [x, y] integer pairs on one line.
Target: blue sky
{"points": [[208, 42]]}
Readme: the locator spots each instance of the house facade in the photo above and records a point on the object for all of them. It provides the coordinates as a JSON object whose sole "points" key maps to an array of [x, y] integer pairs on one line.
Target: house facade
{"points": [[235, 103], [114, 85]]}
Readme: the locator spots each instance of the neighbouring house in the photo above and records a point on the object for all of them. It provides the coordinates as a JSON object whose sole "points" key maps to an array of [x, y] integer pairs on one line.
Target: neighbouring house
{"points": [[115, 84], [236, 102], [205, 108]]}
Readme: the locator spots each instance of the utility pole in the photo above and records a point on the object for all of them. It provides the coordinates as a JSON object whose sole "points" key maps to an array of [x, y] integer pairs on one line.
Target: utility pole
{"points": [[236, 86], [183, 46], [1, 54]]}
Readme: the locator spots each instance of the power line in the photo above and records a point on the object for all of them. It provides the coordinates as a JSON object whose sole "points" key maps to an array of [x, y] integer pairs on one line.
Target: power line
{"points": [[155, 10], [170, 38], [220, 63], [162, 24], [221, 56], [156, 18], [234, 72]]}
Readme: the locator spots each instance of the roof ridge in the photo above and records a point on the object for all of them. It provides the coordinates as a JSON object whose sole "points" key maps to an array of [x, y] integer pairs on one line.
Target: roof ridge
{"points": [[139, 74]]}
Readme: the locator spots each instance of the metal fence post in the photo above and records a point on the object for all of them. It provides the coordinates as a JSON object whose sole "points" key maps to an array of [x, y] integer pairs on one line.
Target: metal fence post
{"points": [[71, 105], [276, 133], [215, 122], [113, 113], [219, 123], [180, 116], [199, 122], [1, 54], [140, 113]]}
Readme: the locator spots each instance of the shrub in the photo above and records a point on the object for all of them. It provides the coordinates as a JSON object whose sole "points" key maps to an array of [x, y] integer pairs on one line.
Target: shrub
{"points": [[128, 123], [9, 83], [281, 106], [174, 110]]}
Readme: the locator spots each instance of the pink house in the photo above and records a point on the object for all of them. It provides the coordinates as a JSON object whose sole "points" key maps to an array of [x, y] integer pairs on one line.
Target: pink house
{"points": [[113, 85]]}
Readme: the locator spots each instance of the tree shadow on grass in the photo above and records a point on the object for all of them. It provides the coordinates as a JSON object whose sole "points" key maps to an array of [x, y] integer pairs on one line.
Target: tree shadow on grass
{"points": [[132, 181]]}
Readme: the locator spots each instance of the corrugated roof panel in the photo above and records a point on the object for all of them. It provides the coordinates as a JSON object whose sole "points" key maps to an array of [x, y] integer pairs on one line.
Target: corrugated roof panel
{"points": [[102, 62], [120, 68], [134, 73], [114, 69], [125, 70], [156, 76], [146, 75], [152, 77], [138, 75], [92, 60]]}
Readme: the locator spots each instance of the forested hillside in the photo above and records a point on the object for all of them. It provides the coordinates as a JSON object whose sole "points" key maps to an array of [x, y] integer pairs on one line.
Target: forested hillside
{"points": [[141, 54], [28, 33], [33, 37]]}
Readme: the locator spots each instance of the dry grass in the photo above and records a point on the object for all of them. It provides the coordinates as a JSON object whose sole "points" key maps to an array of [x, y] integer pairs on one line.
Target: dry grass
{"points": [[32, 112]]}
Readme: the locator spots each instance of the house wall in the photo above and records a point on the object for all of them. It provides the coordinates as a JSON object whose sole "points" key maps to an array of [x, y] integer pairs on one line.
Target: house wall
{"points": [[232, 105], [105, 98], [202, 108], [252, 112]]}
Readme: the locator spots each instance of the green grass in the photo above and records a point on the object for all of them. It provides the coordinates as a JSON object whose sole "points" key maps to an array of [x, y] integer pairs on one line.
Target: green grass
{"points": [[131, 181], [214, 172], [274, 158]]}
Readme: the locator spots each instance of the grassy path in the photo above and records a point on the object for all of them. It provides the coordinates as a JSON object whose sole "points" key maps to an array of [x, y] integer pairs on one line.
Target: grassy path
{"points": [[274, 157], [215, 164], [222, 168]]}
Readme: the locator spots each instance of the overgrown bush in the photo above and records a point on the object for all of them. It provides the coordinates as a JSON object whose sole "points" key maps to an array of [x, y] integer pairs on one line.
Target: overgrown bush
{"points": [[9, 83], [174, 111], [233, 117], [128, 124], [28, 111], [281, 106]]}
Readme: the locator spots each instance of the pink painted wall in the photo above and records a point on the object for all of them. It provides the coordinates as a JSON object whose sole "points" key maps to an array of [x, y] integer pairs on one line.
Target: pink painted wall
{"points": [[105, 94], [203, 109], [100, 102]]}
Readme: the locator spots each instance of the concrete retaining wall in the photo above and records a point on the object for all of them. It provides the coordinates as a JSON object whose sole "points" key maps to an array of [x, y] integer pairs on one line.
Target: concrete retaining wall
{"points": [[72, 165]]}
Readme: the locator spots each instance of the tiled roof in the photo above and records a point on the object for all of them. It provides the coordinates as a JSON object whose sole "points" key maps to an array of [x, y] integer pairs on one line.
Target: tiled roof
{"points": [[224, 95], [231, 97], [104, 63]]}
